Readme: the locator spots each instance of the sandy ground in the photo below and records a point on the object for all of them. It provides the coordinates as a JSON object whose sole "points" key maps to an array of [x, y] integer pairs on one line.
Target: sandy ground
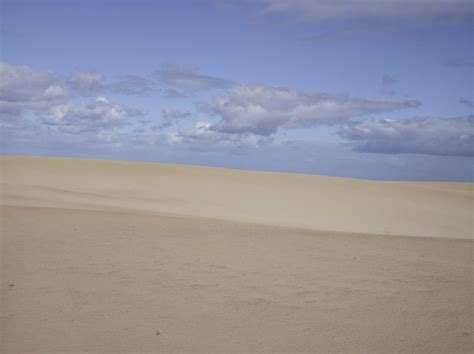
{"points": [[113, 256]]}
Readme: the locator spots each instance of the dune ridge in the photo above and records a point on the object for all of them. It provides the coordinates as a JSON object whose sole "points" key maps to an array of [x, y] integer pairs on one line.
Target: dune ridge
{"points": [[428, 209]]}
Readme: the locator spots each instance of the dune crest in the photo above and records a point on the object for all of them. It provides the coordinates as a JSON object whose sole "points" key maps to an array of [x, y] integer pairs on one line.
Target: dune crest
{"points": [[280, 199]]}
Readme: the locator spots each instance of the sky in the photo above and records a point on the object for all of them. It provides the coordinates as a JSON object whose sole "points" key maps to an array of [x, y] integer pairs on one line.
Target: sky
{"points": [[377, 89]]}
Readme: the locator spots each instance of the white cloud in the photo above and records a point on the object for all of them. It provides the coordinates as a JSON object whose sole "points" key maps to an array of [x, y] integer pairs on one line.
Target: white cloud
{"points": [[263, 110], [102, 99], [432, 136]]}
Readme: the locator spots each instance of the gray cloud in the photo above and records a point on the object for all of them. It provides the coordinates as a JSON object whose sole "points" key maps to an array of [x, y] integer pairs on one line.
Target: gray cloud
{"points": [[172, 93], [31, 88], [9, 111], [202, 137], [414, 11], [466, 102], [23, 85], [432, 136], [351, 33], [25, 89], [47, 96], [132, 85], [388, 81], [98, 115], [170, 116], [85, 83], [169, 113], [186, 78], [460, 63], [262, 110]]}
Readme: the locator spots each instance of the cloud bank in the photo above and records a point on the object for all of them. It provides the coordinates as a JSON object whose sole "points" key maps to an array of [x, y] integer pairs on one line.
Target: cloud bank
{"points": [[39, 104]]}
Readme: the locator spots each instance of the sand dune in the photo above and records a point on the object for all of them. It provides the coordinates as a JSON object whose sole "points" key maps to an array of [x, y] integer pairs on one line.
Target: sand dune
{"points": [[112, 256], [302, 201]]}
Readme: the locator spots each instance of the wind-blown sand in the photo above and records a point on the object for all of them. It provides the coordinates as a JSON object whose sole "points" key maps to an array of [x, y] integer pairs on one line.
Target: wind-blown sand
{"points": [[100, 256]]}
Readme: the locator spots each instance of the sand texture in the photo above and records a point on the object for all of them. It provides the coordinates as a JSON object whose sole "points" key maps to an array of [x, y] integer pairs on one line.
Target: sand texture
{"points": [[107, 256]]}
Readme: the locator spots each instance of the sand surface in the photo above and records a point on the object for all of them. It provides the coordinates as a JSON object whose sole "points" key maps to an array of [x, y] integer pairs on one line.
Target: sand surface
{"points": [[114, 256]]}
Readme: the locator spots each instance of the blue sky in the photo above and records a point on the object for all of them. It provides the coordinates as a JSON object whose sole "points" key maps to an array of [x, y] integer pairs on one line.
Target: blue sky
{"points": [[366, 89]]}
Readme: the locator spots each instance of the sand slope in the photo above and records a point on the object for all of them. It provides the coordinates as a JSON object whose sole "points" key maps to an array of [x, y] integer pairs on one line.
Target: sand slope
{"points": [[303, 201], [107, 282], [124, 257]]}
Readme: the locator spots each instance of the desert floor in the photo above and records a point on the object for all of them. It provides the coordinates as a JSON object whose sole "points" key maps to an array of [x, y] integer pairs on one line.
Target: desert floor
{"points": [[113, 256]]}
